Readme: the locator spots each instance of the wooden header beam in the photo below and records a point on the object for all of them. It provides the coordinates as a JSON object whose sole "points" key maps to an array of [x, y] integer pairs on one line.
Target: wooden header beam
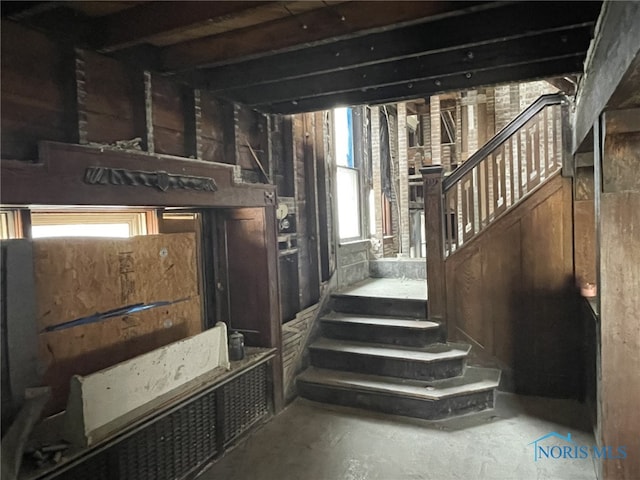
{"points": [[431, 66], [318, 26], [471, 30], [406, 91], [70, 174]]}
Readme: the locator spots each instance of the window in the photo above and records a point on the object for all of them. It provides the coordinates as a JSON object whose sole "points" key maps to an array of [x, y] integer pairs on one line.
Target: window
{"points": [[9, 225], [347, 176], [88, 224]]}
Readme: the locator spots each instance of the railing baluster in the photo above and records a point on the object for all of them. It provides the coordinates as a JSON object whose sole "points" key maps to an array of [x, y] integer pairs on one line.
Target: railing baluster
{"points": [[459, 218], [508, 166], [503, 172], [544, 153], [517, 169], [475, 195]]}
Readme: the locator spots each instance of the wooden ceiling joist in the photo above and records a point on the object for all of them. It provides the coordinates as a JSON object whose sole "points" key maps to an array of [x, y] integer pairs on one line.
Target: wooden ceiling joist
{"points": [[154, 20], [317, 26], [465, 60], [564, 65], [510, 21]]}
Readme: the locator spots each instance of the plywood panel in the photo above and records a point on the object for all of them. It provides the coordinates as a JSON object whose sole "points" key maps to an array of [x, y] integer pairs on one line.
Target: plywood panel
{"points": [[81, 276], [86, 349]]}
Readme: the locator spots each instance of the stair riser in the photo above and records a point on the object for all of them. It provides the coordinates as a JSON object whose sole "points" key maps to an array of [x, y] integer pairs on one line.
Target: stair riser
{"points": [[382, 334], [401, 368], [396, 405], [389, 307]]}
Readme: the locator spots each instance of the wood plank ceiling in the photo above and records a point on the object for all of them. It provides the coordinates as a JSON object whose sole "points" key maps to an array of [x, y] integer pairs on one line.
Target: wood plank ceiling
{"points": [[295, 56]]}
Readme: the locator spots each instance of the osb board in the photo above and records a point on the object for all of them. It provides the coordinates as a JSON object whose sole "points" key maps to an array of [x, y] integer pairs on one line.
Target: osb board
{"points": [[79, 277], [88, 348]]}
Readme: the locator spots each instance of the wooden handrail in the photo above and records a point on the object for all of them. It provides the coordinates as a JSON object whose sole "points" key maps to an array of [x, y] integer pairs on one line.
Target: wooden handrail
{"points": [[502, 136]]}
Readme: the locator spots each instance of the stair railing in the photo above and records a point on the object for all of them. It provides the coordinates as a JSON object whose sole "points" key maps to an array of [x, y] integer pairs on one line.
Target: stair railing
{"points": [[492, 181]]}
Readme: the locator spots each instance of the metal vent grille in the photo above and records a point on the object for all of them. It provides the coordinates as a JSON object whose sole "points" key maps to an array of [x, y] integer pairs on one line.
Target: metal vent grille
{"points": [[176, 444], [245, 402], [172, 446], [167, 449]]}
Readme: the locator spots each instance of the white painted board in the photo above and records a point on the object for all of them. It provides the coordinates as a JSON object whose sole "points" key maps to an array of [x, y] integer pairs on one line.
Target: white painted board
{"points": [[102, 403]]}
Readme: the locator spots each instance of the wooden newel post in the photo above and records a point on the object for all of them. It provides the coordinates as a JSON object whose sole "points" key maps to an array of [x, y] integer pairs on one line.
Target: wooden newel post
{"points": [[432, 177]]}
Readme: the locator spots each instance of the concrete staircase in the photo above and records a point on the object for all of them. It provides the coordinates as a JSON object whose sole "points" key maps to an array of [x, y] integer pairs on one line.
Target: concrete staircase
{"points": [[377, 352]]}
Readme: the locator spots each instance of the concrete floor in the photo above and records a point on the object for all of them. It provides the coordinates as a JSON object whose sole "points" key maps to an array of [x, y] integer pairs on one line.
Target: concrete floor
{"points": [[389, 288], [313, 441]]}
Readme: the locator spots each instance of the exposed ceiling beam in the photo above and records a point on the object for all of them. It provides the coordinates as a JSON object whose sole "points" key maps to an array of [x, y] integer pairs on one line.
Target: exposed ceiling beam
{"points": [[141, 23], [318, 26], [394, 93], [431, 66], [487, 26]]}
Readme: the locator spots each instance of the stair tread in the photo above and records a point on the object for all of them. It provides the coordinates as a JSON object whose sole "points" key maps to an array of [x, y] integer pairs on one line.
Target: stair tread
{"points": [[430, 353], [399, 322], [387, 289], [474, 379]]}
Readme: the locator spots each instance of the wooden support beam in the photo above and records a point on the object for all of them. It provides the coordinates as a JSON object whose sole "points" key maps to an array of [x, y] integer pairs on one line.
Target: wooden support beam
{"points": [[79, 175], [154, 20], [410, 90], [471, 30], [617, 45], [333, 22], [429, 66]]}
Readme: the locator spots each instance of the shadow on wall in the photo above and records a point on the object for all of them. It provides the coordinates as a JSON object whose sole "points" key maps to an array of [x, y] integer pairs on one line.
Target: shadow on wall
{"points": [[547, 354]]}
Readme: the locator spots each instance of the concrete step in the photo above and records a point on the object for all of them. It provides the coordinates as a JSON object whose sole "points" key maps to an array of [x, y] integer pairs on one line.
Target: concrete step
{"points": [[473, 391], [433, 362], [388, 330], [379, 306]]}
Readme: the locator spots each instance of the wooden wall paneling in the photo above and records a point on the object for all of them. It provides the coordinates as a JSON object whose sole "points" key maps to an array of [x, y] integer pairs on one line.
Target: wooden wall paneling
{"points": [[503, 281], [251, 128], [468, 288], [110, 99], [34, 72], [322, 195], [620, 347], [213, 116], [584, 226], [510, 291], [619, 264], [168, 117], [619, 172], [304, 223], [311, 211], [253, 282], [60, 179], [554, 345]]}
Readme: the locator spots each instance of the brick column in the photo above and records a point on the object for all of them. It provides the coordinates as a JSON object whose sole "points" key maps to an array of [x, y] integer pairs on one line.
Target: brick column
{"points": [[434, 106], [403, 180], [376, 177]]}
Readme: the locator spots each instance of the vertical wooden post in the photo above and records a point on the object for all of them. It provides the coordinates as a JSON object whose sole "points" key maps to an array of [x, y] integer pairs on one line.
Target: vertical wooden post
{"points": [[434, 227]]}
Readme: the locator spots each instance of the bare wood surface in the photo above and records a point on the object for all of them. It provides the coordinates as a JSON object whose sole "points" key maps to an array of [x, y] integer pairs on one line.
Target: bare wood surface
{"points": [[80, 277], [510, 291]]}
